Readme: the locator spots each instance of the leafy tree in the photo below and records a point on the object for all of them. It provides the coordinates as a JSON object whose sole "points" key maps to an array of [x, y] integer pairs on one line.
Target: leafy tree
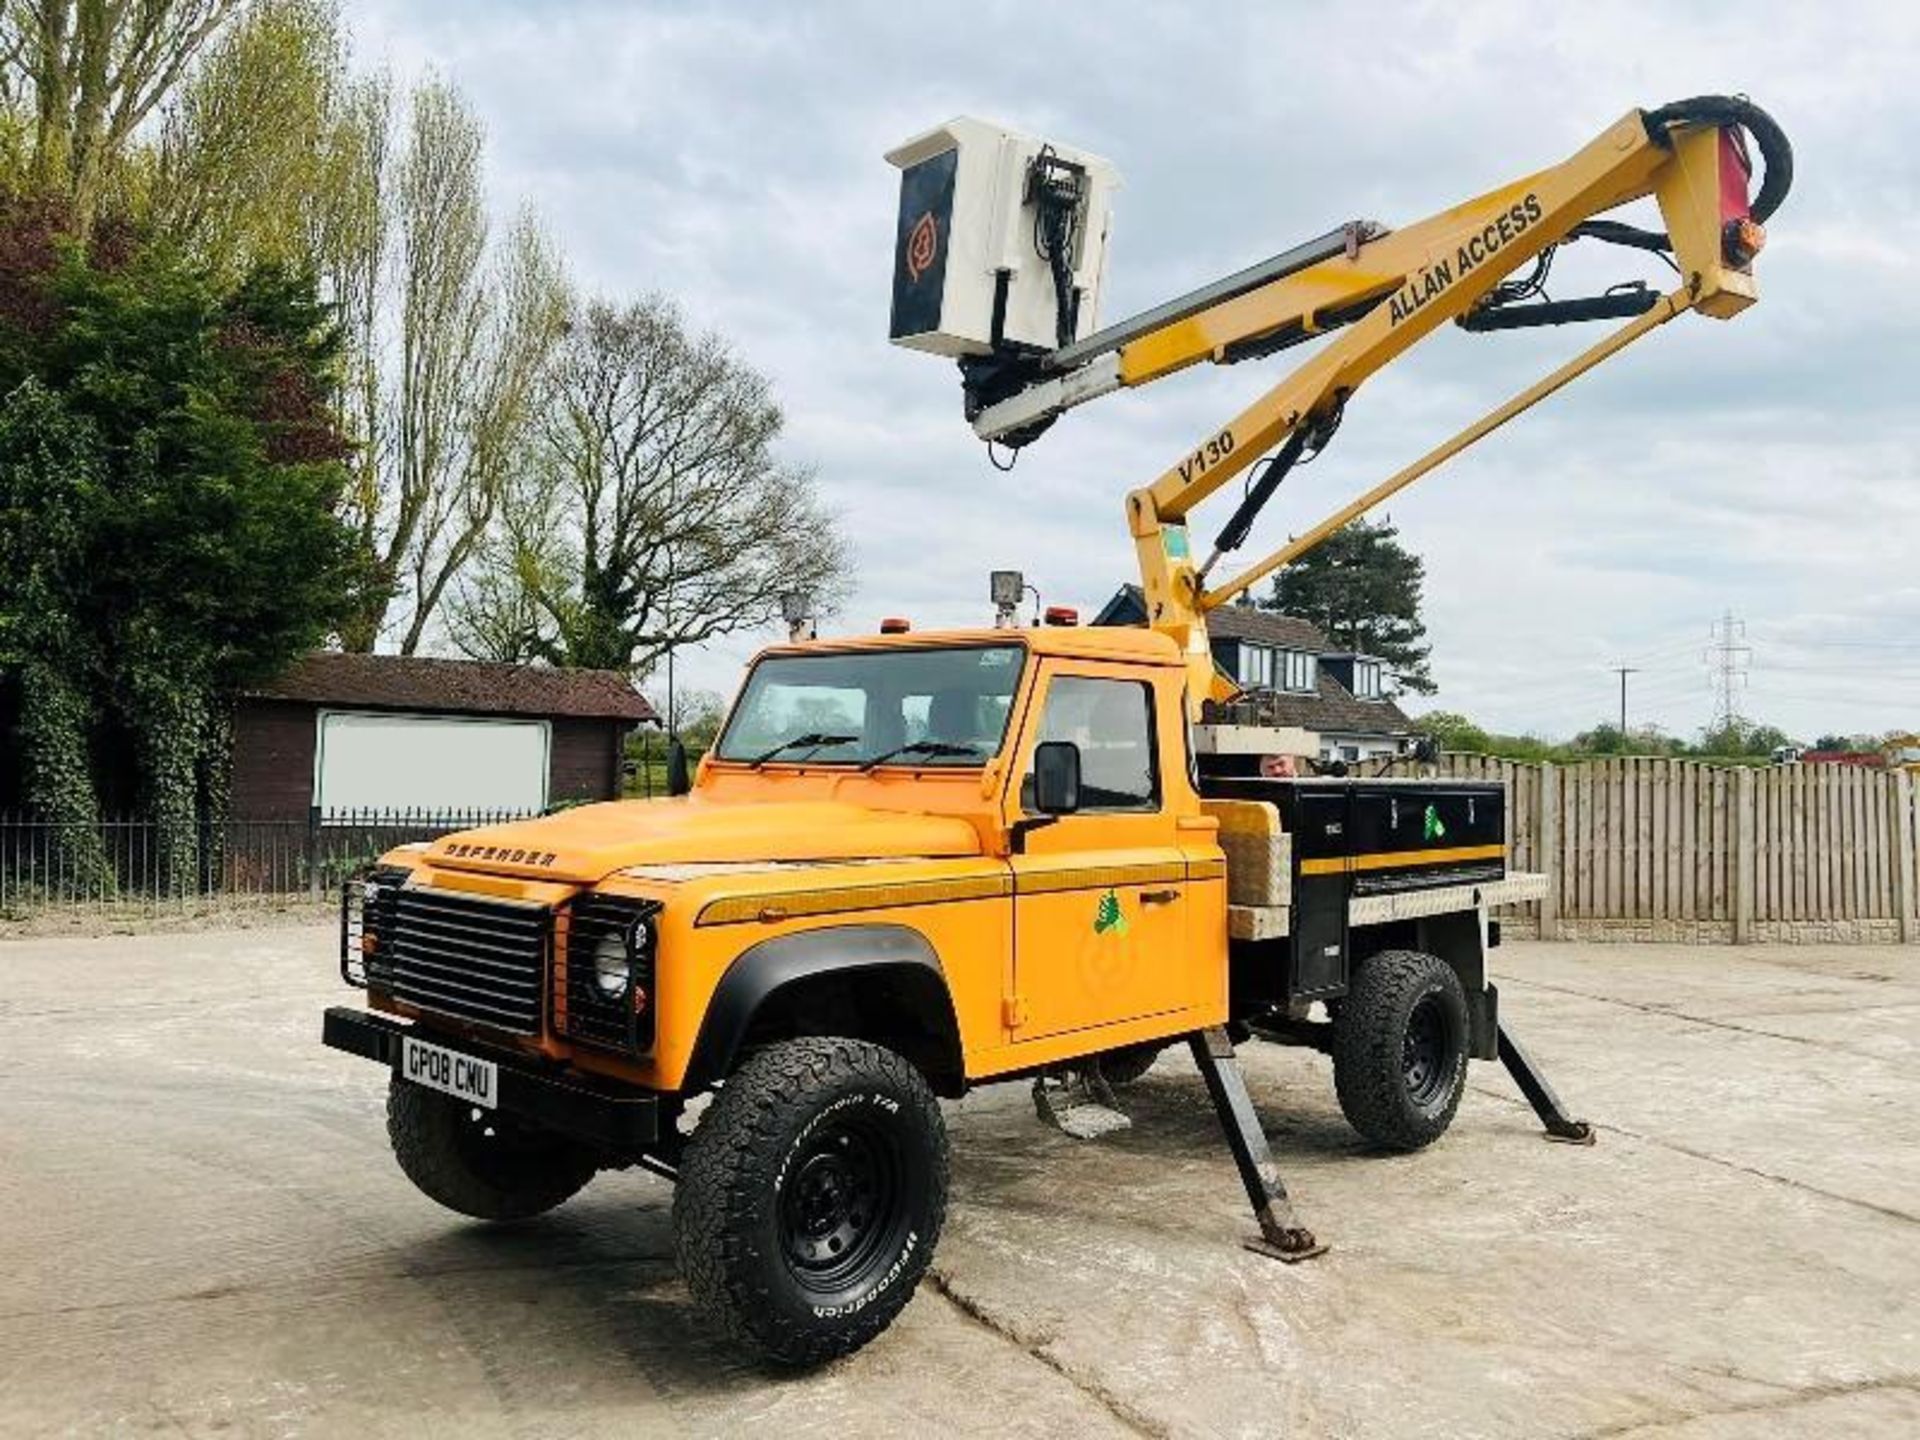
{"points": [[1453, 731], [652, 513], [169, 474], [86, 74], [1858, 742], [1741, 739], [697, 715], [277, 153], [1363, 589], [258, 160]]}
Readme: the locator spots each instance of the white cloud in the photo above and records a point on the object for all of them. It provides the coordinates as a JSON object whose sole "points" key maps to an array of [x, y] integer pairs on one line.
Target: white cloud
{"points": [[731, 156]]}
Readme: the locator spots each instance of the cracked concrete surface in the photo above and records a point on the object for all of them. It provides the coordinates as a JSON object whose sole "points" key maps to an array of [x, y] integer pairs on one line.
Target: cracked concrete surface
{"points": [[201, 1232]]}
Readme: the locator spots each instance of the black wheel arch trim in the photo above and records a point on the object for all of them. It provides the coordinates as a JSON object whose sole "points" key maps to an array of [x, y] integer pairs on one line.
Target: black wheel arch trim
{"points": [[758, 974]]}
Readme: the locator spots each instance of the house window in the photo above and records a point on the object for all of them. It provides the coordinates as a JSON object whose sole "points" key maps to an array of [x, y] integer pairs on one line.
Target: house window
{"points": [[1256, 665], [1262, 667], [1367, 680]]}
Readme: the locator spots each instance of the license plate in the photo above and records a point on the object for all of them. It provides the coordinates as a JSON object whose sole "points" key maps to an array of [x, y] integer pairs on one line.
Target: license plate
{"points": [[450, 1072]]}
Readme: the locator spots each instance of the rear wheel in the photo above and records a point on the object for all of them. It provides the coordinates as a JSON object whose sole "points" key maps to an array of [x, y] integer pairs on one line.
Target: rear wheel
{"points": [[811, 1197], [480, 1162], [1400, 1049], [1124, 1066]]}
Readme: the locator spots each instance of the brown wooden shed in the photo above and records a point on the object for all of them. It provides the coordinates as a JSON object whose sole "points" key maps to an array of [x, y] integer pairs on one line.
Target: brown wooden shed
{"points": [[343, 734]]}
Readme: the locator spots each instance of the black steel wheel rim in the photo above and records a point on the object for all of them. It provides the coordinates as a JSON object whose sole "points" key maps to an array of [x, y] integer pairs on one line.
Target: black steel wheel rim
{"points": [[1425, 1052], [841, 1205]]}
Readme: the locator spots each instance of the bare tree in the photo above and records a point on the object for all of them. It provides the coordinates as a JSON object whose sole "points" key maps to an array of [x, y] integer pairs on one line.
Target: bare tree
{"points": [[89, 72], [653, 513]]}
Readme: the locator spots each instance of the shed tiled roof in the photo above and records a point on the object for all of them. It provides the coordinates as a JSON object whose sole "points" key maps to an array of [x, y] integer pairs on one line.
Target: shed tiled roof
{"points": [[470, 687]]}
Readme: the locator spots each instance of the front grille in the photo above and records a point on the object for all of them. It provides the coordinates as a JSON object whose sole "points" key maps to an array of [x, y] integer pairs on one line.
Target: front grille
{"points": [[591, 1017], [462, 955]]}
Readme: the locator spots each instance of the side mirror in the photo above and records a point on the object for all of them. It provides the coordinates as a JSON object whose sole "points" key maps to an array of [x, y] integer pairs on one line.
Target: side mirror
{"points": [[679, 781], [1056, 777]]}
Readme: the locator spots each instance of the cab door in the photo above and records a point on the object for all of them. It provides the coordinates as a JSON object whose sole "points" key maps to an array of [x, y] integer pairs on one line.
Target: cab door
{"points": [[1100, 896]]}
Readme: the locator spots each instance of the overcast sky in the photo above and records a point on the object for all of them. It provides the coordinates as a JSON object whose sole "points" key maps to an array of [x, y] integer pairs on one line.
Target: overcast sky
{"points": [[730, 155]]}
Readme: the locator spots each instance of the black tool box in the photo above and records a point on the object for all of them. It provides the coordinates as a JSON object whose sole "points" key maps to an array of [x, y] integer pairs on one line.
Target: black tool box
{"points": [[1354, 838]]}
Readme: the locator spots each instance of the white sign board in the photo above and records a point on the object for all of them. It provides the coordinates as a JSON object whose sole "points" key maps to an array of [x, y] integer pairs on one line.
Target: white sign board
{"points": [[441, 763]]}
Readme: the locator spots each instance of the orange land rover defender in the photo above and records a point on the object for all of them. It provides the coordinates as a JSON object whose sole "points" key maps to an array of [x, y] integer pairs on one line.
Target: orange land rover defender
{"points": [[913, 864]]}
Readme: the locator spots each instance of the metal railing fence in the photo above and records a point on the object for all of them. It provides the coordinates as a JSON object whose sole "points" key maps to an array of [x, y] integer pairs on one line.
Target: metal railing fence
{"points": [[131, 862]]}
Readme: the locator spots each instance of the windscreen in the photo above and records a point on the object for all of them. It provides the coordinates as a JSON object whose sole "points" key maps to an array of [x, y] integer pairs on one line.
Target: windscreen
{"points": [[911, 707]]}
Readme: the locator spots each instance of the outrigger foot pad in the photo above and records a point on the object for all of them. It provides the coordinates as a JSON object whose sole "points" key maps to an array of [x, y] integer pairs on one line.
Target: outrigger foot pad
{"points": [[1282, 1236], [1560, 1126], [1288, 1246], [1579, 1132], [1079, 1103]]}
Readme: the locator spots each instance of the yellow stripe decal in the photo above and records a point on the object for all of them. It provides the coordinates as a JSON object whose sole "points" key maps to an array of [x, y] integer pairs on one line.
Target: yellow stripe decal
{"points": [[773, 907], [1098, 877], [1388, 859], [1206, 869]]}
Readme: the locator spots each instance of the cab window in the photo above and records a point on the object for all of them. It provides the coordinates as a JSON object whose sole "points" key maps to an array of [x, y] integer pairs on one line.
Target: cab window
{"points": [[1112, 723], [928, 708]]}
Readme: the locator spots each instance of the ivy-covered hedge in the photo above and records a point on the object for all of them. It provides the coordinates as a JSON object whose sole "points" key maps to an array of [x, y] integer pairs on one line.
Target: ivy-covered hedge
{"points": [[170, 468]]}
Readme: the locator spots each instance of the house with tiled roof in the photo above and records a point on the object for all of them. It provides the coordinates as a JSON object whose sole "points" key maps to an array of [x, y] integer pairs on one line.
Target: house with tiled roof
{"points": [[1340, 695]]}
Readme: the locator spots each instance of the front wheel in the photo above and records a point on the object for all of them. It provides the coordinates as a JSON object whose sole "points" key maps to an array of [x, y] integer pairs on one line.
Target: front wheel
{"points": [[811, 1197], [1400, 1049]]}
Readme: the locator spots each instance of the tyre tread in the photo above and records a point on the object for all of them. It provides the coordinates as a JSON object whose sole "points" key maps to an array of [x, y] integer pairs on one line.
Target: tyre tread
{"points": [[421, 1133], [1366, 1049], [717, 1193]]}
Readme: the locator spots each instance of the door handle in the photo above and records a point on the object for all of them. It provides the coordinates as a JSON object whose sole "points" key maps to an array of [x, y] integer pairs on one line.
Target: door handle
{"points": [[1158, 897]]}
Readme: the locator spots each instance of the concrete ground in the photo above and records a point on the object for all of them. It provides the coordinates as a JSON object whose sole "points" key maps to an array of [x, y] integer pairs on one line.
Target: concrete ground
{"points": [[201, 1231]]}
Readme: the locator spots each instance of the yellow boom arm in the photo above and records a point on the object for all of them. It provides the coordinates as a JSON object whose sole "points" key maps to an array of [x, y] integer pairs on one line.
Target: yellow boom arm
{"points": [[1383, 292]]}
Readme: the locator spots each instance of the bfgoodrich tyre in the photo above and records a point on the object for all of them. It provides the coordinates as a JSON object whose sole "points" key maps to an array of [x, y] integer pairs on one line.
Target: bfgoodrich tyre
{"points": [[811, 1197], [479, 1162], [1400, 1049]]}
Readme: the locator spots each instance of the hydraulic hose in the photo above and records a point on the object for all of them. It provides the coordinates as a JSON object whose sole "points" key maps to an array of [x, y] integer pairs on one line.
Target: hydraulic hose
{"points": [[1776, 151], [1775, 148]]}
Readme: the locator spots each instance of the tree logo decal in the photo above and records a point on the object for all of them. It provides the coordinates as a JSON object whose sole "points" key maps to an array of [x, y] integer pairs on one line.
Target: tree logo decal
{"points": [[1108, 918], [1434, 828], [922, 245]]}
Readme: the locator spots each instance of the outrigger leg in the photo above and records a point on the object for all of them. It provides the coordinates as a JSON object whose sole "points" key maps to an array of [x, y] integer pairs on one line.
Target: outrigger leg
{"points": [[1546, 1104], [1282, 1236]]}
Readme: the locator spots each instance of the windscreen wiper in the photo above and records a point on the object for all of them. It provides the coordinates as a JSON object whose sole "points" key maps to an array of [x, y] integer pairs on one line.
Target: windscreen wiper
{"points": [[814, 739], [920, 747]]}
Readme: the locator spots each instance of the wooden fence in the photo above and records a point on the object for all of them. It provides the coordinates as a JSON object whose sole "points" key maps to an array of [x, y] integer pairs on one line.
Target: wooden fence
{"points": [[1677, 849]]}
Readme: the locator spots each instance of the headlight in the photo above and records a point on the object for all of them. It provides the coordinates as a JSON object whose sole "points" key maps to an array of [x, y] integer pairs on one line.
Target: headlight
{"points": [[612, 969], [614, 956]]}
